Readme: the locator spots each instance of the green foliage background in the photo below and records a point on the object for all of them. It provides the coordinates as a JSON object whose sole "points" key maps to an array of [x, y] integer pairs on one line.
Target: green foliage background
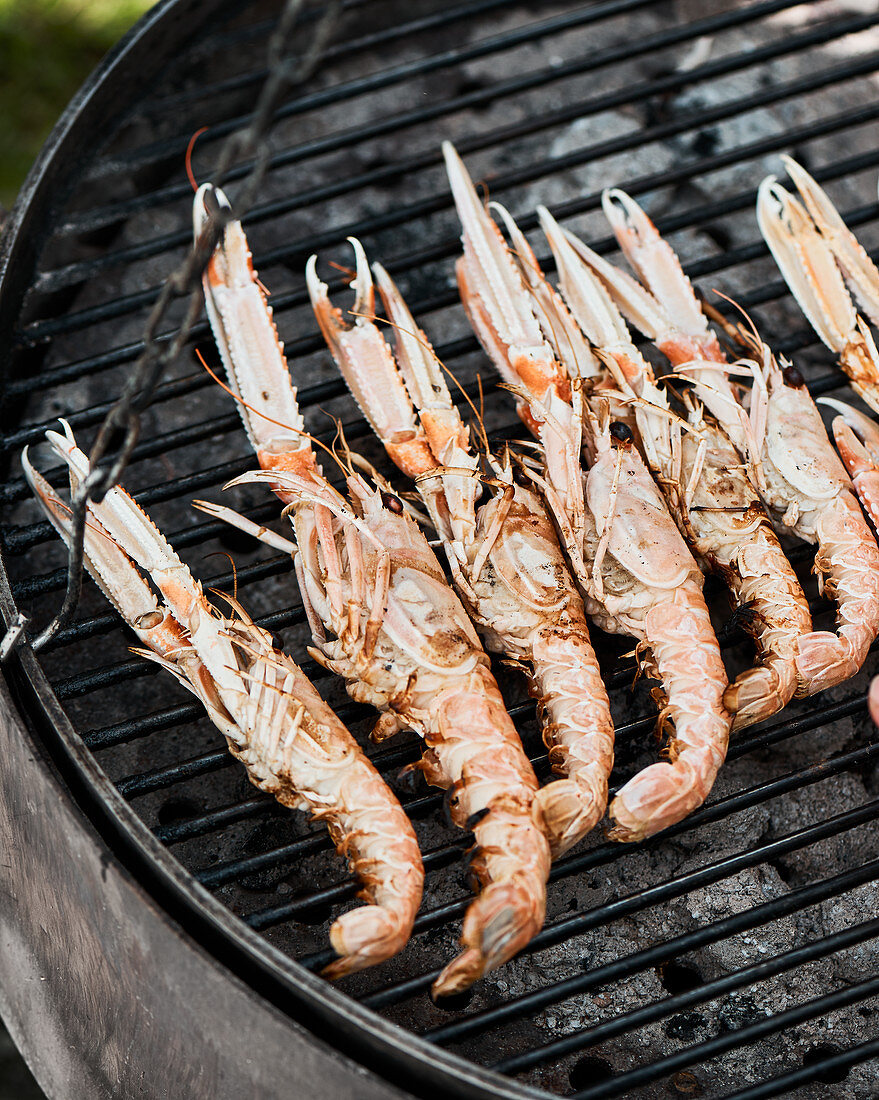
{"points": [[47, 48]]}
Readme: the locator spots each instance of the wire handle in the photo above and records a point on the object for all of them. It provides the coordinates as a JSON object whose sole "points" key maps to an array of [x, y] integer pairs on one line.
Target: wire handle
{"points": [[284, 70]]}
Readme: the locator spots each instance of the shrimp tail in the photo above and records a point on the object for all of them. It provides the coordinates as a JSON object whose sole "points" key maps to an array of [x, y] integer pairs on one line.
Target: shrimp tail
{"points": [[579, 734], [688, 661], [502, 920], [769, 589], [492, 791]]}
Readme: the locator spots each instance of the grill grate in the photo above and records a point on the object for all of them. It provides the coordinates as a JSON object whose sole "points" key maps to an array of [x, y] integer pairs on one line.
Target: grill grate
{"points": [[732, 951]]}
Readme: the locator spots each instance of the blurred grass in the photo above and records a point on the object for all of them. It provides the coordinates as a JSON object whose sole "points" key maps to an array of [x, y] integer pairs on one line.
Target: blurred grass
{"points": [[47, 49]]}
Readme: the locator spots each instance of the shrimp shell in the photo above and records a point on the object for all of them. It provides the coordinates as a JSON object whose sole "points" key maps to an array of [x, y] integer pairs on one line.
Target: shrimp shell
{"points": [[783, 437], [682, 645]]}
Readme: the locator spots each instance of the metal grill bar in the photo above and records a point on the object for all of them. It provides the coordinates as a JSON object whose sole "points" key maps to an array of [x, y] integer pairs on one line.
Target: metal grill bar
{"points": [[672, 949], [633, 903], [226, 872], [831, 1064], [795, 137], [255, 77], [206, 822], [610, 852], [500, 90], [106, 676], [143, 726], [179, 831], [19, 540], [479, 97], [820, 1006], [146, 782], [339, 93]]}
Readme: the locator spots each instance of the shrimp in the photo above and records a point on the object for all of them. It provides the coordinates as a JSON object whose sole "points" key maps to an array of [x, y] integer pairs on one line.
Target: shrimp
{"points": [[507, 565], [793, 464], [401, 638], [638, 574], [818, 255], [707, 488], [289, 740]]}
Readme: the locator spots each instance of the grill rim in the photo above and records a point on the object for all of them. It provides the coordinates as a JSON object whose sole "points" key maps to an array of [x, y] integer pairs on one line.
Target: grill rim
{"points": [[32, 687], [397, 1055]]}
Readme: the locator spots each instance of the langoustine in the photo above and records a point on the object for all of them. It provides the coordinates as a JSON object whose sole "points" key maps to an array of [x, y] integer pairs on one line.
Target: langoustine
{"points": [[797, 472], [506, 563], [707, 487], [291, 742], [638, 575], [401, 638]]}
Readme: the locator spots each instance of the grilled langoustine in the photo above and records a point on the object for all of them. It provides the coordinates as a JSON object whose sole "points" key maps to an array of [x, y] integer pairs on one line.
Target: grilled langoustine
{"points": [[291, 742], [707, 487], [385, 619], [781, 436], [505, 558], [638, 574]]}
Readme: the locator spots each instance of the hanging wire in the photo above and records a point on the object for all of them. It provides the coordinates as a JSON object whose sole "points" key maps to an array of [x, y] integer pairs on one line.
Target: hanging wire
{"points": [[285, 69]]}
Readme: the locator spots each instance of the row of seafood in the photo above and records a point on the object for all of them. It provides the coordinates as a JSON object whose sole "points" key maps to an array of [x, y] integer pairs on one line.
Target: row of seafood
{"points": [[630, 488]]}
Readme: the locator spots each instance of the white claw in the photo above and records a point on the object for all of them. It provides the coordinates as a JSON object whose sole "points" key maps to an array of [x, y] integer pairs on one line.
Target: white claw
{"points": [[656, 265], [866, 429], [588, 300], [858, 269], [813, 260], [200, 212], [364, 291], [493, 270], [807, 264]]}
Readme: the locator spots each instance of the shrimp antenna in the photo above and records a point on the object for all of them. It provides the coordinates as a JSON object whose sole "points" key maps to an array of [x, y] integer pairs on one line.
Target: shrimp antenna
{"points": [[190, 175], [340, 439], [481, 417], [735, 332], [224, 554]]}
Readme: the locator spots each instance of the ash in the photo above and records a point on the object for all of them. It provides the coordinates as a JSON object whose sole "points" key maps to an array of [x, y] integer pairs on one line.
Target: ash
{"points": [[707, 156]]}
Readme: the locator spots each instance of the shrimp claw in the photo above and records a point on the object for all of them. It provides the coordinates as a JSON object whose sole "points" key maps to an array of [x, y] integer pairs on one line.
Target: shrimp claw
{"points": [[817, 256]]}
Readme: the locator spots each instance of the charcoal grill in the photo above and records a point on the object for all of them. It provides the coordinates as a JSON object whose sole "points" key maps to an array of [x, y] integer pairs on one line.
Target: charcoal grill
{"points": [[163, 924]]}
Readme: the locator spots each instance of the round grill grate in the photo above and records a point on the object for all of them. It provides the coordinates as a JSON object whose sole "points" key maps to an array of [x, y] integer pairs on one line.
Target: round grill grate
{"points": [[736, 950]]}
